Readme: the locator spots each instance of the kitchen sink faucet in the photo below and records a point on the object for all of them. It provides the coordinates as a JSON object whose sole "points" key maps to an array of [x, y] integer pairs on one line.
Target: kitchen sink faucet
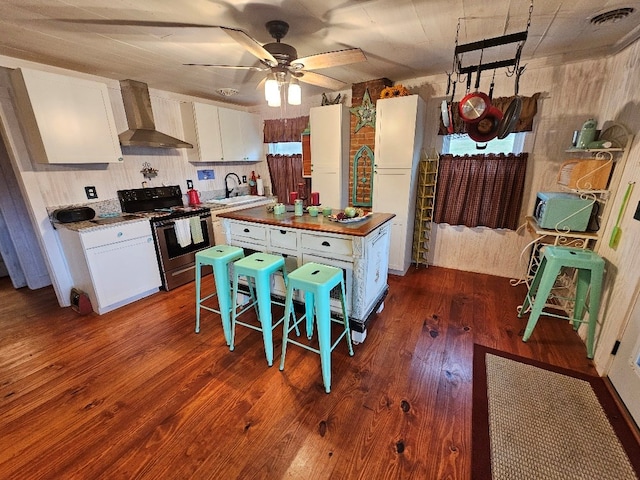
{"points": [[227, 190]]}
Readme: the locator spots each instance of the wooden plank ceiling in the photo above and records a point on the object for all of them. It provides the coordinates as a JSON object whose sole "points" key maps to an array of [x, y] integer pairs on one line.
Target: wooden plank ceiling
{"points": [[401, 38]]}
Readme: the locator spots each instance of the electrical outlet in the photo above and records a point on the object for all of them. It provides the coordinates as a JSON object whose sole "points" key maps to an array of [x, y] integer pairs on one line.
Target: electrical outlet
{"points": [[91, 192], [189, 184], [244, 179]]}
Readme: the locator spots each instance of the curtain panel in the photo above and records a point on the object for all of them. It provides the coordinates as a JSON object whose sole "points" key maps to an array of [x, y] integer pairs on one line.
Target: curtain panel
{"points": [[286, 173], [285, 129], [524, 123], [480, 190]]}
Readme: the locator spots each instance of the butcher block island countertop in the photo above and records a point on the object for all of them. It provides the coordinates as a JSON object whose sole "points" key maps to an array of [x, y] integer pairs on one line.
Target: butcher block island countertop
{"points": [[307, 222], [360, 249]]}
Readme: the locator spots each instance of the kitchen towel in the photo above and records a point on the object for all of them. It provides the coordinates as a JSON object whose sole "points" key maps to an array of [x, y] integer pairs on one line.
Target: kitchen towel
{"points": [[183, 231], [196, 229], [260, 186]]}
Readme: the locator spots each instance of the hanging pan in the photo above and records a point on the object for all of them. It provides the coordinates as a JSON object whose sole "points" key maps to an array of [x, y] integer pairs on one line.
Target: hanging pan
{"points": [[511, 116], [487, 128], [444, 110], [474, 107]]}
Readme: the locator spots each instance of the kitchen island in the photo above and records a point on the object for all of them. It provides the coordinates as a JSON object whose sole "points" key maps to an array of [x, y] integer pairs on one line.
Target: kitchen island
{"points": [[360, 248]]}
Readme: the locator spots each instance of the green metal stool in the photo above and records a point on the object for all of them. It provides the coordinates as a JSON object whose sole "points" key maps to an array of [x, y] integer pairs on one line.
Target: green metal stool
{"points": [[316, 281], [219, 258], [590, 271], [258, 267]]}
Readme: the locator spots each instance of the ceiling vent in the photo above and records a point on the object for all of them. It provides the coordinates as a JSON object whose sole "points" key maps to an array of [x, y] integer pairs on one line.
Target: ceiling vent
{"points": [[227, 92], [612, 16]]}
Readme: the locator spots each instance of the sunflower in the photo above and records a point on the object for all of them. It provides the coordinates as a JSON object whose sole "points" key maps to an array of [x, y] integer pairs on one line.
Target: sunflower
{"points": [[395, 91]]}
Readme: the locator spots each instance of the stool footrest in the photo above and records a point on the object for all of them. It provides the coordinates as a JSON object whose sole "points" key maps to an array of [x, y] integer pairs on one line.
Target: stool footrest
{"points": [[211, 309], [255, 327]]}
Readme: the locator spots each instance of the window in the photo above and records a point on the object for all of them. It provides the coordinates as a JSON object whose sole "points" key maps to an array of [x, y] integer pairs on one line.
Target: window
{"points": [[461, 144], [481, 187], [285, 148]]}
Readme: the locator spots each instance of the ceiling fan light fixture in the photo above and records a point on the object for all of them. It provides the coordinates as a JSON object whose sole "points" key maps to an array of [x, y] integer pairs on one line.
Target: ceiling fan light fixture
{"points": [[294, 92], [271, 89], [274, 102]]}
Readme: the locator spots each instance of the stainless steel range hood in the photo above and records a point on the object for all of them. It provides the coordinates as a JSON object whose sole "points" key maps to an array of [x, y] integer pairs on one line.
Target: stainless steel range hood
{"points": [[142, 128]]}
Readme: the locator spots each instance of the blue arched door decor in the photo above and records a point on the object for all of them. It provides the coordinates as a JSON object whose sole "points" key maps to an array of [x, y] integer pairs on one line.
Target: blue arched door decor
{"points": [[362, 177]]}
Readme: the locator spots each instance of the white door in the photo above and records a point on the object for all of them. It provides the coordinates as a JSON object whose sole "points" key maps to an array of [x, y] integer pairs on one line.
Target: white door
{"points": [[625, 370], [326, 137], [396, 120]]}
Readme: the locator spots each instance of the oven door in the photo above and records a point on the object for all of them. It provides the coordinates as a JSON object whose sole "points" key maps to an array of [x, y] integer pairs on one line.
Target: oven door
{"points": [[171, 255]]}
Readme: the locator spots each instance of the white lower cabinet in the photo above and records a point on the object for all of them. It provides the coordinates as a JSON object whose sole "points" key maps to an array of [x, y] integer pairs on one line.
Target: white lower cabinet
{"points": [[364, 261], [394, 191], [114, 265]]}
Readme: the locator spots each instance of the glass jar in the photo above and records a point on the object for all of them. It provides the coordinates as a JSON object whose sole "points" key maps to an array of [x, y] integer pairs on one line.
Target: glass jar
{"points": [[297, 208]]}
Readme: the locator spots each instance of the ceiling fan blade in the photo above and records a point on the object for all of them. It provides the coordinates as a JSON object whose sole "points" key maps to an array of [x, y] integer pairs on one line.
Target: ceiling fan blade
{"points": [[261, 83], [135, 23], [232, 67], [320, 80], [251, 45], [330, 59]]}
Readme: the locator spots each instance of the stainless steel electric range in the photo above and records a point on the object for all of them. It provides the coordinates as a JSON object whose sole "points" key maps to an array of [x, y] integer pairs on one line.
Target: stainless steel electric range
{"points": [[163, 206]]}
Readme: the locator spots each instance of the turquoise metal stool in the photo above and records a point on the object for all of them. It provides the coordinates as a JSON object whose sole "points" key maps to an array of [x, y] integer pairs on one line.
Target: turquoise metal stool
{"points": [[218, 257], [316, 281], [258, 267], [590, 271]]}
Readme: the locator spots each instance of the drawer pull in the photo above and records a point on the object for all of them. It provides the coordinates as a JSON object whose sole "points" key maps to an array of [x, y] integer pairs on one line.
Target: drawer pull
{"points": [[326, 244], [283, 232], [246, 230]]}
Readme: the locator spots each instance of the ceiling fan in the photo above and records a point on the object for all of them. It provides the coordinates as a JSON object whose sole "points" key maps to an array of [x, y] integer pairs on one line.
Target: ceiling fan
{"points": [[281, 59]]}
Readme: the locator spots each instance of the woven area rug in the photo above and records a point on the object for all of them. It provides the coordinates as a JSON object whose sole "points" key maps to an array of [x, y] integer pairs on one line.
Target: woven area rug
{"points": [[535, 421]]}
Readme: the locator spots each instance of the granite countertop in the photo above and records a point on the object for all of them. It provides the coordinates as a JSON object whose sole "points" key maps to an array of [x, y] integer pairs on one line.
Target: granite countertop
{"points": [[307, 222], [109, 220], [100, 222]]}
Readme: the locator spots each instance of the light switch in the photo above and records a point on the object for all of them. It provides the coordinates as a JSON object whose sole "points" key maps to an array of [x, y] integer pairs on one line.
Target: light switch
{"points": [[189, 184]]}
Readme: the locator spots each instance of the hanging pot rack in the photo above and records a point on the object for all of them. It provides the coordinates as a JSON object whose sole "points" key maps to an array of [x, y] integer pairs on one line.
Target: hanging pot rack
{"points": [[475, 107], [512, 64]]}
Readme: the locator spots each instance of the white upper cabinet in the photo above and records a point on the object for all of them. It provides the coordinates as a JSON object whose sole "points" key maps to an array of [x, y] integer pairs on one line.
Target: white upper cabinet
{"points": [[398, 124], [65, 119], [202, 129], [221, 134], [241, 135], [330, 154]]}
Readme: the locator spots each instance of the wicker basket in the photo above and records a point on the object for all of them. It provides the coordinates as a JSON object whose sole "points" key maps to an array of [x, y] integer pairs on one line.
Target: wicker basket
{"points": [[580, 174]]}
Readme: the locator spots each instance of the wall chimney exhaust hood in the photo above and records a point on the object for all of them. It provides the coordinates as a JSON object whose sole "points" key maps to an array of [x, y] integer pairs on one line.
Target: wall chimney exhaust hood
{"points": [[142, 128]]}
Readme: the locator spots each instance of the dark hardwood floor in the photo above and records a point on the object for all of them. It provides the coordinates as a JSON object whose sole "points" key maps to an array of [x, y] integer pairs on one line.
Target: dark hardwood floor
{"points": [[135, 393]]}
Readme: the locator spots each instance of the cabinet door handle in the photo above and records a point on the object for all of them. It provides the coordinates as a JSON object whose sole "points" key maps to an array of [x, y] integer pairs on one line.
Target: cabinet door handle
{"points": [[283, 232], [246, 230], [326, 244], [119, 234]]}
